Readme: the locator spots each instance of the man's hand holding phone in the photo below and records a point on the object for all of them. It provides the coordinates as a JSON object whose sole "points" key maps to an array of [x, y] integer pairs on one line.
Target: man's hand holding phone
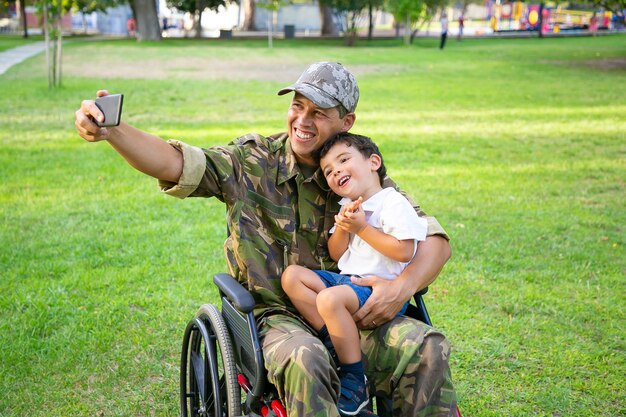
{"points": [[95, 115], [111, 108]]}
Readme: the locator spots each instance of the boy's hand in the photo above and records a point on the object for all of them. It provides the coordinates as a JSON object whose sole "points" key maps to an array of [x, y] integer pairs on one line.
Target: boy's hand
{"points": [[353, 206], [351, 218]]}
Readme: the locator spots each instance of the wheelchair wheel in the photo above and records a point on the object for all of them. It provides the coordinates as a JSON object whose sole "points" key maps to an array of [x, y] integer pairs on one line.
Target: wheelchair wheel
{"points": [[208, 374]]}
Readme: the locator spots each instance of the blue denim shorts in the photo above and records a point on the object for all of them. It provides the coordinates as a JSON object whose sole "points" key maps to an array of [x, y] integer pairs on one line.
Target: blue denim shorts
{"points": [[332, 279]]}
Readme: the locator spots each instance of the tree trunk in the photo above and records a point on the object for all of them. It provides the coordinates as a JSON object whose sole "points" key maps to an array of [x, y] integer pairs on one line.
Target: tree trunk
{"points": [[351, 35], [541, 6], [23, 13], [133, 9], [59, 52], [326, 17], [249, 8], [197, 19], [84, 22], [407, 30], [53, 60], [370, 29], [148, 28], [269, 29], [46, 32]]}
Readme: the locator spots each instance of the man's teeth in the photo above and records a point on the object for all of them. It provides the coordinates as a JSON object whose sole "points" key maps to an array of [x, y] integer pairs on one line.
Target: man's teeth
{"points": [[302, 135]]}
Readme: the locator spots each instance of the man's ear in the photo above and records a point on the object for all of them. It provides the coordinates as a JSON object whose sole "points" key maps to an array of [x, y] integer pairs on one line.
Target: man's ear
{"points": [[375, 162], [348, 122]]}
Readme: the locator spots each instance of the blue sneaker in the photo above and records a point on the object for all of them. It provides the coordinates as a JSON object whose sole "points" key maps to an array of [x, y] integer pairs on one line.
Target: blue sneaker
{"points": [[354, 396]]}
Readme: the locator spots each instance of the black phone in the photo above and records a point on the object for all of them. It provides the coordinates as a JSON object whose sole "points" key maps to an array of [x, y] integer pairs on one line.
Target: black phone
{"points": [[111, 107]]}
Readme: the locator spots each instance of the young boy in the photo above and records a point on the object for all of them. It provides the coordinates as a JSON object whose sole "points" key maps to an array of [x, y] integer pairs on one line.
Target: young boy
{"points": [[375, 234]]}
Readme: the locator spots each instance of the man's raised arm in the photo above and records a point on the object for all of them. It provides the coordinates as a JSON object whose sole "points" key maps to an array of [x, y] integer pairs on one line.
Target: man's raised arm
{"points": [[145, 152]]}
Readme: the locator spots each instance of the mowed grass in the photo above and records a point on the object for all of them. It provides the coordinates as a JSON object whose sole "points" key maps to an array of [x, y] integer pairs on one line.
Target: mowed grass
{"points": [[517, 146], [13, 41]]}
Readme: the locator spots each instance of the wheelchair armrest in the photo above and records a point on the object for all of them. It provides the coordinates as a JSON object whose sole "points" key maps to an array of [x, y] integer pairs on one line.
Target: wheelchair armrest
{"points": [[235, 292], [419, 311]]}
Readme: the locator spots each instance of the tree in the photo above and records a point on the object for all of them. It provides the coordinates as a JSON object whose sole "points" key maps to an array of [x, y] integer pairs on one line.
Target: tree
{"points": [[148, 28], [86, 7], [371, 6], [351, 11], [52, 12], [328, 26], [196, 8], [249, 9], [23, 15], [6, 5], [617, 7], [272, 7], [413, 13]]}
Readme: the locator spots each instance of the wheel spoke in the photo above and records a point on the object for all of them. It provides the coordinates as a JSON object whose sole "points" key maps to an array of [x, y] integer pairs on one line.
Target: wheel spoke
{"points": [[208, 368], [198, 371]]}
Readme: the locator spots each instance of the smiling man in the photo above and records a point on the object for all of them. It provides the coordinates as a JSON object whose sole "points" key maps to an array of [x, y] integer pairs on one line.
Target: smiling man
{"points": [[280, 211]]}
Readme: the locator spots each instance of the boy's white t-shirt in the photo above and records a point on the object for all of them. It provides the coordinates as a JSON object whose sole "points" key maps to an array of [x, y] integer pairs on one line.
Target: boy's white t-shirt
{"points": [[391, 213]]}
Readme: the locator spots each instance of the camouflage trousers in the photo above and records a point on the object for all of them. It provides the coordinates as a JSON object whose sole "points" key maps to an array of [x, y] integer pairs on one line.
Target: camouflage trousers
{"points": [[406, 363]]}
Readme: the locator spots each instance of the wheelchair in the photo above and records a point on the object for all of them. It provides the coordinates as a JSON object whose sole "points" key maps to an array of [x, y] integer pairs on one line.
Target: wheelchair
{"points": [[221, 366]]}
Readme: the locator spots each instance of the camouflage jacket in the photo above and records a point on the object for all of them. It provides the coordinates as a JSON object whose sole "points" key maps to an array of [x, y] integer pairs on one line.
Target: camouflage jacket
{"points": [[276, 216]]}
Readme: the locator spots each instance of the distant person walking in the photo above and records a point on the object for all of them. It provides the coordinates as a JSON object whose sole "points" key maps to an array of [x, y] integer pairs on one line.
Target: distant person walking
{"points": [[461, 26], [130, 25], [444, 30], [593, 24]]}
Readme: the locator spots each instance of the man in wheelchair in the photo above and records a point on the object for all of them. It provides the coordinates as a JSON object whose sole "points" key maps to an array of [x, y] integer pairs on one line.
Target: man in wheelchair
{"points": [[280, 210]]}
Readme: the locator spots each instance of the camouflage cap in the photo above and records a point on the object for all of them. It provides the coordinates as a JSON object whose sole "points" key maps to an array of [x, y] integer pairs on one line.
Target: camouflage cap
{"points": [[327, 84]]}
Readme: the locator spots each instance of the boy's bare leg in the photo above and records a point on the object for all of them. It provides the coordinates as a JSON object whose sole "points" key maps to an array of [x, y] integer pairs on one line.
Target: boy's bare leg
{"points": [[302, 286], [336, 305]]}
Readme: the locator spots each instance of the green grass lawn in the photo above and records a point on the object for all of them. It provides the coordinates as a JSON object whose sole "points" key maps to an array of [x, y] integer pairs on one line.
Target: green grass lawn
{"points": [[517, 146], [13, 41]]}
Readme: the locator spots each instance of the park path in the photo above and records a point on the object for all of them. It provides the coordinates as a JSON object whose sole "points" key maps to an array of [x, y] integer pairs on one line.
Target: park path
{"points": [[14, 56]]}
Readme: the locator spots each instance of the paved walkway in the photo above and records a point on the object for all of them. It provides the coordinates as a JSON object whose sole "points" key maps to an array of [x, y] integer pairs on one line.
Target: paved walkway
{"points": [[14, 56]]}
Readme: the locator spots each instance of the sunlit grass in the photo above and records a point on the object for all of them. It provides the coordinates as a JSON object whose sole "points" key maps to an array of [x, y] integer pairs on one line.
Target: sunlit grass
{"points": [[517, 146]]}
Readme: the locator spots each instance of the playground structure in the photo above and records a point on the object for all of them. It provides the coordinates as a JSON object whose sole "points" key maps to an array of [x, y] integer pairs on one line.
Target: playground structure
{"points": [[519, 16]]}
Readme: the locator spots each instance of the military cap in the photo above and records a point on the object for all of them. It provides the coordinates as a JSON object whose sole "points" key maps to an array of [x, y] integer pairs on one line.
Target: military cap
{"points": [[327, 84]]}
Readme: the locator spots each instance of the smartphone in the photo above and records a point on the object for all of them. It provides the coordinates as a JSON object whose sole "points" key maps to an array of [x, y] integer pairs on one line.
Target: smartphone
{"points": [[111, 107]]}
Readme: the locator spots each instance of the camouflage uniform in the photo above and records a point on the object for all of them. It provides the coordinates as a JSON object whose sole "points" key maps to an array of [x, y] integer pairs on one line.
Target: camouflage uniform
{"points": [[277, 217]]}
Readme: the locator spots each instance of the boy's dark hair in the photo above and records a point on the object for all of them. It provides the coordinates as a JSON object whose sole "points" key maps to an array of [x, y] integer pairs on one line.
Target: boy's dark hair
{"points": [[363, 144]]}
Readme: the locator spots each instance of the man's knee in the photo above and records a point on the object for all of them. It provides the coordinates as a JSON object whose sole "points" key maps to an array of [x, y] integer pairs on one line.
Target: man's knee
{"points": [[300, 367], [435, 350], [426, 382], [296, 353]]}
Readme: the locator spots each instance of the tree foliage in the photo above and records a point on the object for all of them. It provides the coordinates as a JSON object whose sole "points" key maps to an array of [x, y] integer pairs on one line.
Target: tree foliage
{"points": [[352, 12], [272, 7], [52, 11], [90, 6], [617, 7], [413, 13], [196, 8], [192, 6]]}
